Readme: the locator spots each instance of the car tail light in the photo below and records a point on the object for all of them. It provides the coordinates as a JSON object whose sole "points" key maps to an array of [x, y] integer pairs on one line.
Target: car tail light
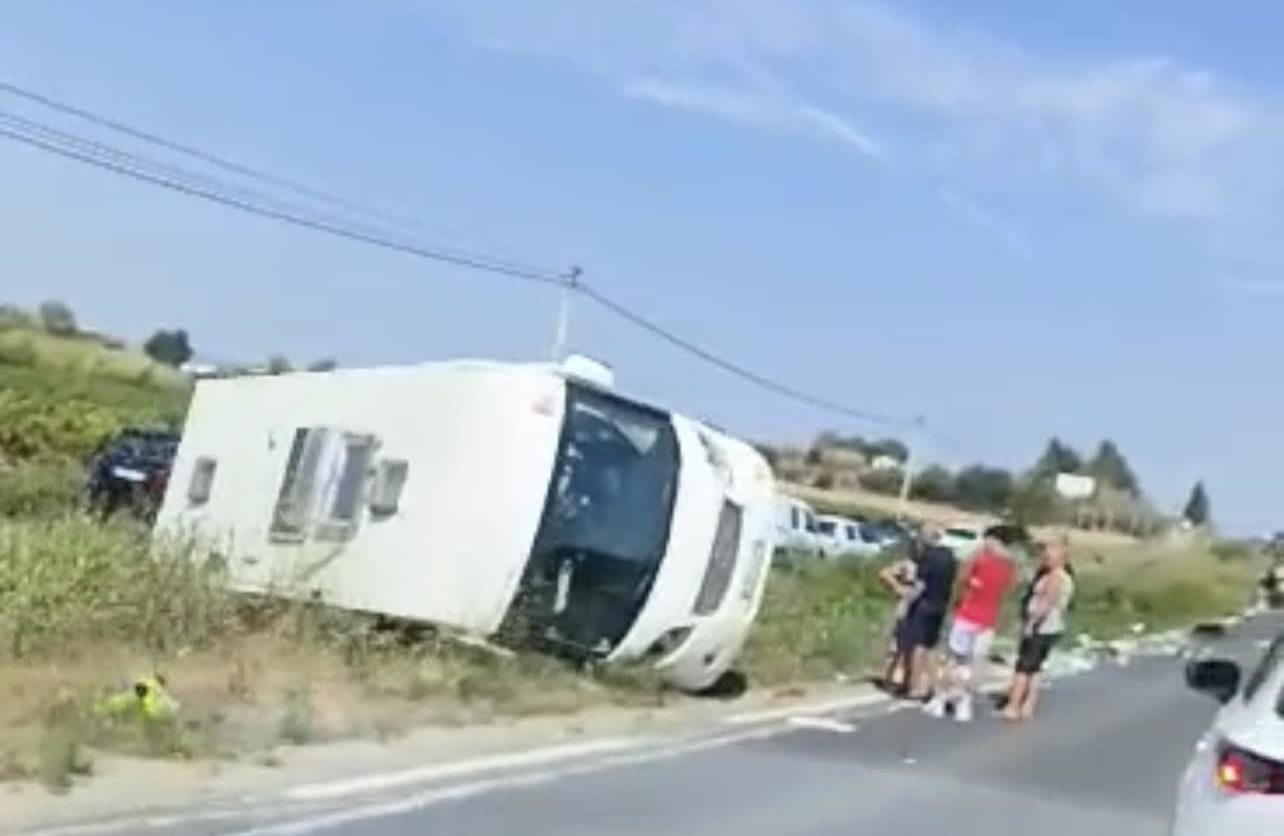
{"points": [[1243, 772]]}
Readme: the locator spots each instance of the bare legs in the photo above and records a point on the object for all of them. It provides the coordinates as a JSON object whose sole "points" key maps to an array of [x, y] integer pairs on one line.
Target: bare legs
{"points": [[1023, 696]]}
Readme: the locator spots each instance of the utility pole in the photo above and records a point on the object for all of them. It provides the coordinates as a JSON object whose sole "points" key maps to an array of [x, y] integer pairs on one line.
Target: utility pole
{"points": [[570, 284], [907, 477]]}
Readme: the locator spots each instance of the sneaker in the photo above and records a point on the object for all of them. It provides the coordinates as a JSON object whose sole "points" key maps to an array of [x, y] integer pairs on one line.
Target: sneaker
{"points": [[935, 708], [963, 710]]}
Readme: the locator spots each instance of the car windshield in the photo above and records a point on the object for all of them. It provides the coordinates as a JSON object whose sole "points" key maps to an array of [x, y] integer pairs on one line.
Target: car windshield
{"points": [[146, 447]]}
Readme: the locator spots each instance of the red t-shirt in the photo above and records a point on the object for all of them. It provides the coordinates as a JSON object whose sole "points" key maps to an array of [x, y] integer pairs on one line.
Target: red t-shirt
{"points": [[986, 581]]}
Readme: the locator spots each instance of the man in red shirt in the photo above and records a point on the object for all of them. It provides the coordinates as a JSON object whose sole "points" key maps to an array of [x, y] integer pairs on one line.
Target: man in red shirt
{"points": [[986, 579]]}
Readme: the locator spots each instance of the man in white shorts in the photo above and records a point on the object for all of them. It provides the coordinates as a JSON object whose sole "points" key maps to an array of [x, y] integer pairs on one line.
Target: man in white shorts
{"points": [[986, 580]]}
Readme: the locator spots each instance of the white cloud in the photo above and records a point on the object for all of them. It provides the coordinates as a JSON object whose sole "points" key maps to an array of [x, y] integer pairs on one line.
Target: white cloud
{"points": [[1153, 135], [776, 110], [966, 113]]}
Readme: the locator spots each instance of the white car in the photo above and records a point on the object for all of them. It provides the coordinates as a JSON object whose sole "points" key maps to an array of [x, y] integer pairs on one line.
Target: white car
{"points": [[841, 537], [964, 539], [1234, 784], [796, 527]]}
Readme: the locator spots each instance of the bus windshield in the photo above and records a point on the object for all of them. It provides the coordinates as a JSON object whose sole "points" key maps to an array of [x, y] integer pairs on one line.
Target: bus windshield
{"points": [[605, 526]]}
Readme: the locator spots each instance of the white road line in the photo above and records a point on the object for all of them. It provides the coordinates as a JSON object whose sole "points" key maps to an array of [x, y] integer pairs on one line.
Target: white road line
{"points": [[462, 769], [770, 715], [821, 724], [459, 792]]}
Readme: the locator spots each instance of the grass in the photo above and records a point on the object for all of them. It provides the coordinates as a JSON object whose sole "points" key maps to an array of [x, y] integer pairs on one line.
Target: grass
{"points": [[818, 620], [60, 396], [85, 608], [824, 620], [81, 356]]}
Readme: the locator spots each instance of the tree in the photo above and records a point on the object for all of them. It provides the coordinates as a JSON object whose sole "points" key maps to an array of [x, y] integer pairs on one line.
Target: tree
{"points": [[1035, 502], [169, 347], [279, 364], [326, 364], [933, 484], [12, 316], [1198, 509], [57, 318], [1057, 457], [1109, 467], [892, 447], [882, 481], [981, 487]]}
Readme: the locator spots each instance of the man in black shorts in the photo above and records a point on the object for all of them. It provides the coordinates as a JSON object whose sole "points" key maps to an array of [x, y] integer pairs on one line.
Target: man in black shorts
{"points": [[920, 630]]}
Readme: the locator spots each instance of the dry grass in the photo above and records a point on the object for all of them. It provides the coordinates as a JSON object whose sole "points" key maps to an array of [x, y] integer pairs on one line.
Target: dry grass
{"points": [[85, 609]]}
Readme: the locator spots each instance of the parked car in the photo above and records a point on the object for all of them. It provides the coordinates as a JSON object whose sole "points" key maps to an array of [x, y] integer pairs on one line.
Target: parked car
{"points": [[889, 533], [1234, 783], [962, 539], [130, 472], [796, 527], [843, 537], [965, 539]]}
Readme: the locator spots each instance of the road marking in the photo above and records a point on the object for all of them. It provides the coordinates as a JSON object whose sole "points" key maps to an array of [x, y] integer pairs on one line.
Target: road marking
{"points": [[821, 724], [472, 789], [462, 769], [772, 715]]}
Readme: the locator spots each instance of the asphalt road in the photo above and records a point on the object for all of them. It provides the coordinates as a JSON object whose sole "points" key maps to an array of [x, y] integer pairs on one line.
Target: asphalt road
{"points": [[1102, 759]]}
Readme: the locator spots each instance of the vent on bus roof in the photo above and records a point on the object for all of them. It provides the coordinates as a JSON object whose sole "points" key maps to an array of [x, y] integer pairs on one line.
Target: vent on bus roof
{"points": [[590, 371]]}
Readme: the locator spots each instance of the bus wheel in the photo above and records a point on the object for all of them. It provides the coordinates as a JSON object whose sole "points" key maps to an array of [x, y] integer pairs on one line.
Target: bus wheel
{"points": [[730, 685]]}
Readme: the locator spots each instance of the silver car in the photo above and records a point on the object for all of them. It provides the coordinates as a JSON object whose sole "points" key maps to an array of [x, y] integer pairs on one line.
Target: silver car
{"points": [[1234, 784]]}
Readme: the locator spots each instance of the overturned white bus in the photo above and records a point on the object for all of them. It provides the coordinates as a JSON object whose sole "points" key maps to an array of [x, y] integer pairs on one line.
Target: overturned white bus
{"points": [[519, 501]]}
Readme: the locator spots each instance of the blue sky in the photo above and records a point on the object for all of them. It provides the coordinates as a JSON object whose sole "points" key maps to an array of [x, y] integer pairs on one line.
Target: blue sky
{"points": [[1018, 219]]}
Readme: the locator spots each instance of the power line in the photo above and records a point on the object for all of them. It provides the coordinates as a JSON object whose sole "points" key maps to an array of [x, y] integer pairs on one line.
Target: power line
{"points": [[133, 166], [731, 367], [234, 167], [191, 151], [279, 214]]}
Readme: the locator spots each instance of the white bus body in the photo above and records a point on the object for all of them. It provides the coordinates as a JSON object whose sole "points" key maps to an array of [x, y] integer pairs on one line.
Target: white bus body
{"points": [[504, 500]]}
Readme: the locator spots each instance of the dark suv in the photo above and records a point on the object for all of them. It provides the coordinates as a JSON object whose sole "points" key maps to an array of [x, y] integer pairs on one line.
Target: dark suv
{"points": [[130, 471]]}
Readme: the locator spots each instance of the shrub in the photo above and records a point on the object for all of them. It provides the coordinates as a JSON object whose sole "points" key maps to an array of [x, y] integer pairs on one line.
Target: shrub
{"points": [[72, 580], [39, 490]]}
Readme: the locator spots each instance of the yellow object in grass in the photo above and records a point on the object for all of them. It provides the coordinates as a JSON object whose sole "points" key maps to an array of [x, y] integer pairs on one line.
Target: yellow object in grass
{"points": [[148, 698]]}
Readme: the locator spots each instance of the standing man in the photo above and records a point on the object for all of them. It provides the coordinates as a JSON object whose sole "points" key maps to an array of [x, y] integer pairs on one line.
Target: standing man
{"points": [[986, 580], [921, 627]]}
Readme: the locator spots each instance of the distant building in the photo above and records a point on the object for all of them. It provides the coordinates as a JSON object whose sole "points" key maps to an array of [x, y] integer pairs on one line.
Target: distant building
{"points": [[885, 462], [200, 370]]}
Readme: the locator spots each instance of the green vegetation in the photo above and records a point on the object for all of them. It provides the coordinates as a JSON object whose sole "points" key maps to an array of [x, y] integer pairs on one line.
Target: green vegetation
{"points": [[837, 462], [61, 395]]}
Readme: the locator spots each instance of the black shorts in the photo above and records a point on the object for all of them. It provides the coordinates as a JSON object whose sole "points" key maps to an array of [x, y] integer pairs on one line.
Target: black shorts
{"points": [[921, 627], [1033, 652]]}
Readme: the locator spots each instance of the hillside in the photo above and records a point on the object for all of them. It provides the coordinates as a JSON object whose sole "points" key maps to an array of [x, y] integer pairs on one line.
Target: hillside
{"points": [[60, 395]]}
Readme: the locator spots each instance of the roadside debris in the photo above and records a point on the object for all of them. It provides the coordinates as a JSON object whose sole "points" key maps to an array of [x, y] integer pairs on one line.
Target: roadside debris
{"points": [[146, 698]]}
